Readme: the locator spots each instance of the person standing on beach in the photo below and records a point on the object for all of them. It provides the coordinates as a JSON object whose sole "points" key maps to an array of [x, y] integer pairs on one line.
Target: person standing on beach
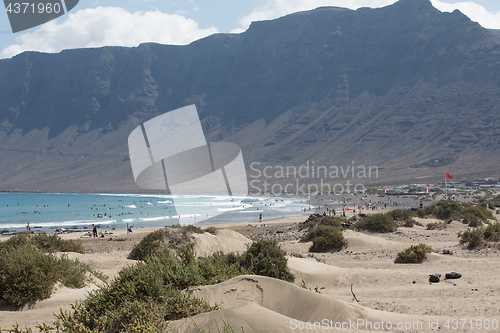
{"points": [[28, 228], [94, 231], [129, 229]]}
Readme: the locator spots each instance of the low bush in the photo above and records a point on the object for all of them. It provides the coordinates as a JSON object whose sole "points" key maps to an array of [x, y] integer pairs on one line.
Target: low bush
{"points": [[211, 230], [436, 225], [487, 204], [377, 223], [414, 254], [447, 209], [265, 257], [27, 274], [149, 245], [315, 220], [473, 222], [405, 217], [492, 233], [471, 237], [476, 237], [325, 238], [174, 237], [192, 228], [44, 242]]}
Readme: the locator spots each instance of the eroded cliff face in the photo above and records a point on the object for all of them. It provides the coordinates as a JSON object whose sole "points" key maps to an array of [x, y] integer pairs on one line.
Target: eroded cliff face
{"points": [[394, 87]]}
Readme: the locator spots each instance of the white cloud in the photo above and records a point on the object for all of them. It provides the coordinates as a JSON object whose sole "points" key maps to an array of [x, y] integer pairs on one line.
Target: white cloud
{"points": [[475, 12], [109, 26], [277, 8]]}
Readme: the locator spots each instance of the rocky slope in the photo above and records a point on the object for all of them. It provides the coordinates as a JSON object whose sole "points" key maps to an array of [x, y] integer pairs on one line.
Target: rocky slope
{"points": [[396, 87]]}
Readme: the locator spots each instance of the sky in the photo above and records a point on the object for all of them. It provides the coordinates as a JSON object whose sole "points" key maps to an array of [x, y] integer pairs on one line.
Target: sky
{"points": [[95, 23]]}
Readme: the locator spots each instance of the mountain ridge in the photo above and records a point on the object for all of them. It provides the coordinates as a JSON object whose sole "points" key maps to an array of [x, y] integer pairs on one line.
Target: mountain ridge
{"points": [[393, 87]]}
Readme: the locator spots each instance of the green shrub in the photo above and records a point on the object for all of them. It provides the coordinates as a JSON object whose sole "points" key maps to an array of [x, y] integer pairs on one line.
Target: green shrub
{"points": [[190, 228], [414, 254], [149, 245], [265, 257], [471, 237], [443, 210], [435, 225], [474, 215], [328, 243], [174, 237], [44, 242], [377, 223], [484, 202], [194, 229], [477, 237], [325, 238], [221, 267], [211, 230], [315, 220], [492, 232], [473, 222], [27, 274], [447, 209], [403, 216]]}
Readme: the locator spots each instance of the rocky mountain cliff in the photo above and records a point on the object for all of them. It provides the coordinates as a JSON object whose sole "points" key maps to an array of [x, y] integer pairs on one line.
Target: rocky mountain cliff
{"points": [[406, 88]]}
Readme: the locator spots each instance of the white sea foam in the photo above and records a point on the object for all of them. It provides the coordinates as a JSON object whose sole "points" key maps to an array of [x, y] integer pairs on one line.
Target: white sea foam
{"points": [[229, 209], [57, 224], [159, 218]]}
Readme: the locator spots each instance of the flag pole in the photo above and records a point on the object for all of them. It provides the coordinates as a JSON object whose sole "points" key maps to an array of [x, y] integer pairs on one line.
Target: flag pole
{"points": [[446, 187]]}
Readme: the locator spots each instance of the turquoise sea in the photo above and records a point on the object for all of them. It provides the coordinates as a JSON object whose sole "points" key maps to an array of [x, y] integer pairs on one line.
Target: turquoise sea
{"points": [[47, 212]]}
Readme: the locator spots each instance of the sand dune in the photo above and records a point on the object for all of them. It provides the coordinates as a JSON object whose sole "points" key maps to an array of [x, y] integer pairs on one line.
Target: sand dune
{"points": [[224, 240], [258, 303], [357, 242]]}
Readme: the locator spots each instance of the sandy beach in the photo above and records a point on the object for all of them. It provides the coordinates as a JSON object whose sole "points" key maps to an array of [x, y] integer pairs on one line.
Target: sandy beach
{"points": [[397, 294]]}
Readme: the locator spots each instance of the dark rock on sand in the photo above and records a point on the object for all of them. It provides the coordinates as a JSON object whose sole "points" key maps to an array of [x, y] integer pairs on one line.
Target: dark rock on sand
{"points": [[453, 275], [434, 277]]}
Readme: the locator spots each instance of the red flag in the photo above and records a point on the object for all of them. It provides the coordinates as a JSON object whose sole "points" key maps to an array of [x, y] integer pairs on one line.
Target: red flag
{"points": [[448, 175]]}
